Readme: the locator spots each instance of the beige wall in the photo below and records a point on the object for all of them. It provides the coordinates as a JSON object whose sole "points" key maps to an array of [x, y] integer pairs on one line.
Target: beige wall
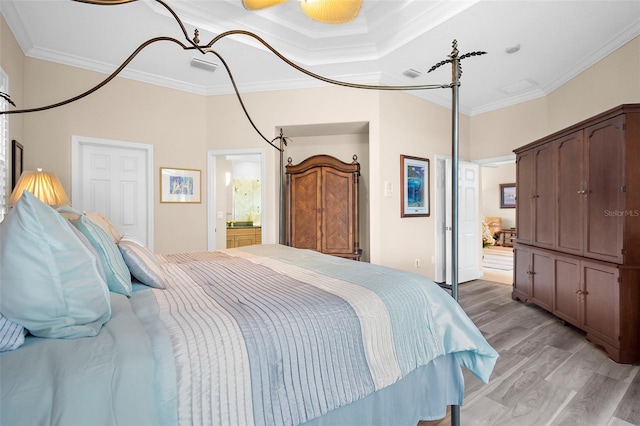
{"points": [[125, 110], [409, 126], [613, 81], [183, 127]]}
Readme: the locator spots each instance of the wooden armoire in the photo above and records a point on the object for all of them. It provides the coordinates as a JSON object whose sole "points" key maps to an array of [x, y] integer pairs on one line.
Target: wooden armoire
{"points": [[322, 206], [577, 251]]}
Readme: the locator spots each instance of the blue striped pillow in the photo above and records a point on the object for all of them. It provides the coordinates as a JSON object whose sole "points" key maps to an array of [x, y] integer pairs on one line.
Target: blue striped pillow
{"points": [[116, 271], [142, 262], [11, 334]]}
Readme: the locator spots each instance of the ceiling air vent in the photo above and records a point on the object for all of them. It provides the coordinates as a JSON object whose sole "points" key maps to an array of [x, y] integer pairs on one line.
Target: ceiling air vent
{"points": [[411, 73], [204, 65]]}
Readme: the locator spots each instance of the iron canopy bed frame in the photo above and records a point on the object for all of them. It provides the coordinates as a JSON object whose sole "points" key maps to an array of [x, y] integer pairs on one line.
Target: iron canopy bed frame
{"points": [[194, 43]]}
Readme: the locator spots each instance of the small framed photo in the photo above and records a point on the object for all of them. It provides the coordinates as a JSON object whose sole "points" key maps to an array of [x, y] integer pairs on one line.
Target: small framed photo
{"points": [[414, 181], [17, 155], [507, 195], [179, 185]]}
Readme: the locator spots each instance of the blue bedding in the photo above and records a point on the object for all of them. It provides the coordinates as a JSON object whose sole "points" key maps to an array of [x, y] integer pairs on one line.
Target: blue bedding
{"points": [[102, 380], [293, 334], [260, 335]]}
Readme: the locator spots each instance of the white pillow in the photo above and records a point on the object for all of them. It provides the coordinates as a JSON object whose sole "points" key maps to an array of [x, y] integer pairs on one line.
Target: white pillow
{"points": [[49, 281], [105, 223]]}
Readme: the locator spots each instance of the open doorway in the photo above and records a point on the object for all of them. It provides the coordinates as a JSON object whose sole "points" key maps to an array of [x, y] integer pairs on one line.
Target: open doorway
{"points": [[236, 198], [497, 260]]}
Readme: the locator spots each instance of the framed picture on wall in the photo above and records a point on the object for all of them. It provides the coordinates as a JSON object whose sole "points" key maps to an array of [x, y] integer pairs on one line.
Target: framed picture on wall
{"points": [[179, 185], [507, 195], [414, 182], [17, 153]]}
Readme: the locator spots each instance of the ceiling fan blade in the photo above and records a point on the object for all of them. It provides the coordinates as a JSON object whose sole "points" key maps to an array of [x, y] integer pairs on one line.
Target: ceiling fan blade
{"points": [[260, 4], [331, 11]]}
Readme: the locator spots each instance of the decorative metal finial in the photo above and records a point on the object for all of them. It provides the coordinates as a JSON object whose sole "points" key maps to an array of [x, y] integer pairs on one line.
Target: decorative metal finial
{"points": [[454, 57], [454, 49], [196, 39]]}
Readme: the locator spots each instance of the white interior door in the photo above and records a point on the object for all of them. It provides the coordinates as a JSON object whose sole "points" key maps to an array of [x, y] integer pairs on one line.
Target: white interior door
{"points": [[469, 238], [115, 178]]}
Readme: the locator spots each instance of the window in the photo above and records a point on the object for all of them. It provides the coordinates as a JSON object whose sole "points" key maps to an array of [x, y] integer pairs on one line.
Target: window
{"points": [[4, 147]]}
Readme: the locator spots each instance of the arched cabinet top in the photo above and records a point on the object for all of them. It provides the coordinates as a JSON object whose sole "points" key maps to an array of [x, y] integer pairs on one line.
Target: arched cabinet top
{"points": [[323, 160]]}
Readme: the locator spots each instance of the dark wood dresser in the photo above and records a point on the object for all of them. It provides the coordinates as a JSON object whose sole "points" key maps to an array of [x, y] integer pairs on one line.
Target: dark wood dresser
{"points": [[577, 251], [322, 206]]}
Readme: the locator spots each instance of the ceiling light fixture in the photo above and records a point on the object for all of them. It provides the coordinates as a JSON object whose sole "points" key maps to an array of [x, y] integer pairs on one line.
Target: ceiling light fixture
{"points": [[204, 65], [411, 73], [328, 11]]}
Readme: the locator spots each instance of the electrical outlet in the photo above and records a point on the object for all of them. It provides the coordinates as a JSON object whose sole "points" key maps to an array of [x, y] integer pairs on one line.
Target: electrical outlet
{"points": [[417, 262]]}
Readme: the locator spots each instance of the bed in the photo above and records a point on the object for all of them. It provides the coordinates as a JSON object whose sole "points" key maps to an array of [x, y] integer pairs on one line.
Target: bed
{"points": [[264, 334]]}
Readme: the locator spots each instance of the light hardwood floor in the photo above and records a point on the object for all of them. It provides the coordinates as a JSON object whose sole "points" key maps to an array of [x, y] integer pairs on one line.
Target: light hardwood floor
{"points": [[547, 373]]}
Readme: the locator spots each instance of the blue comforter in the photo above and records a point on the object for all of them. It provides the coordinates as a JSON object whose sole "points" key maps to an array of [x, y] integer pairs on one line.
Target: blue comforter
{"points": [[260, 335], [293, 334]]}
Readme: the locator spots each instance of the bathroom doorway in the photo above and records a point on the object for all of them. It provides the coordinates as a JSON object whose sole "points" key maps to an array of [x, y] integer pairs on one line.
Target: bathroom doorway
{"points": [[236, 197]]}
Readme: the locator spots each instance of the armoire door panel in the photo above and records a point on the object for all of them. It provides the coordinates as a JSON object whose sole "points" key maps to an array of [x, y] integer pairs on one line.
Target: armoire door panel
{"points": [[524, 194], [544, 200], [542, 278], [306, 210], [567, 299], [337, 211], [571, 185], [601, 301], [604, 198], [522, 272]]}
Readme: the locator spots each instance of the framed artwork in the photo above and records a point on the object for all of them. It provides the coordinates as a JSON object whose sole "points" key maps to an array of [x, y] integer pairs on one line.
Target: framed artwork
{"points": [[179, 185], [17, 153], [507, 195], [414, 181]]}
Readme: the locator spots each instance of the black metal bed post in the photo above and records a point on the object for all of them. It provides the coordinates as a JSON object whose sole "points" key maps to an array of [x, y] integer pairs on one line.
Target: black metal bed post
{"points": [[282, 231], [455, 142]]}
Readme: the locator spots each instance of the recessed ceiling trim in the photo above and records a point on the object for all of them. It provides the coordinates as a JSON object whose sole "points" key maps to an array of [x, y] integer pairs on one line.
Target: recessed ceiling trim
{"points": [[622, 38]]}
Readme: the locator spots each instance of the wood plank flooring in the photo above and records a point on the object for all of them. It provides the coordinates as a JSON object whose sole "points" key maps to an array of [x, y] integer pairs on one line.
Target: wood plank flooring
{"points": [[547, 373]]}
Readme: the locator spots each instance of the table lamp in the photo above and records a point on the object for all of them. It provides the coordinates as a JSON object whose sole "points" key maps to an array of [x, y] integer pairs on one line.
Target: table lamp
{"points": [[43, 185]]}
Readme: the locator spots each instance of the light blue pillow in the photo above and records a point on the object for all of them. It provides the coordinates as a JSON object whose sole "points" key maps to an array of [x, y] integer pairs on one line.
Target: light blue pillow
{"points": [[49, 281], [116, 271]]}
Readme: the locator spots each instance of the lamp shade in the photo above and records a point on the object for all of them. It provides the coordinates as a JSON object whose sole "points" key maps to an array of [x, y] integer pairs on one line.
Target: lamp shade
{"points": [[43, 185], [331, 11]]}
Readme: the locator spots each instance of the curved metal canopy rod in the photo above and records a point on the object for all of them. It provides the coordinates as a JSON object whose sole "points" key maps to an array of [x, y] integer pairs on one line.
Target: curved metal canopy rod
{"points": [[194, 44]]}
